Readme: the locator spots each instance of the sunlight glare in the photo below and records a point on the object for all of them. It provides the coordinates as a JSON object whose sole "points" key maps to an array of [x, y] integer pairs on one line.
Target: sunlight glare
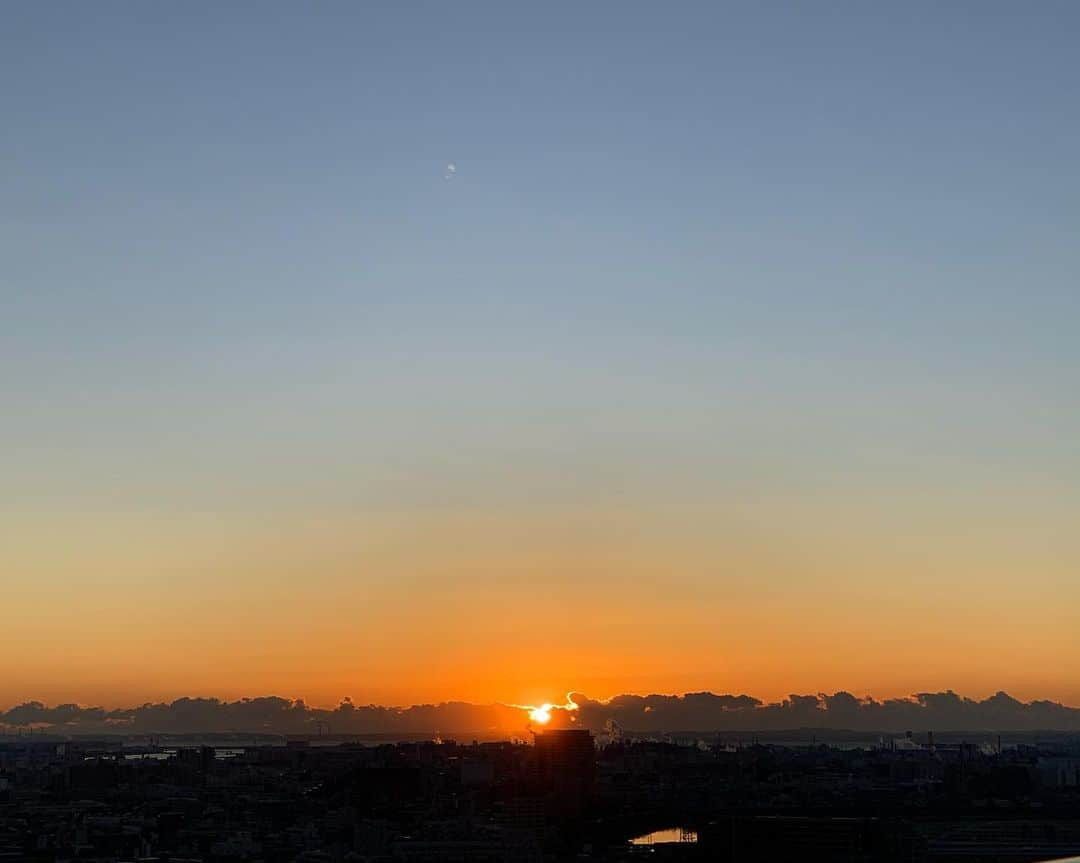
{"points": [[541, 714]]}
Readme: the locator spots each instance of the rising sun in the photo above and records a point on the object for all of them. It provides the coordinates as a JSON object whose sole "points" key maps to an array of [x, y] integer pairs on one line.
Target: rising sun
{"points": [[541, 714]]}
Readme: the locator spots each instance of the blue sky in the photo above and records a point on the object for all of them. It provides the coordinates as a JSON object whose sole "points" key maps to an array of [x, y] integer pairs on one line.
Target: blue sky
{"points": [[241, 198]]}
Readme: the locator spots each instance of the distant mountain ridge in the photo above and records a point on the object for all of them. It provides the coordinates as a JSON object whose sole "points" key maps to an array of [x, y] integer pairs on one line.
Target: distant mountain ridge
{"points": [[925, 711]]}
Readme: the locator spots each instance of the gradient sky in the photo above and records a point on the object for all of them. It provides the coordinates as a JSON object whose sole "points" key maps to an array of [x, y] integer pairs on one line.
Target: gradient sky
{"points": [[741, 353]]}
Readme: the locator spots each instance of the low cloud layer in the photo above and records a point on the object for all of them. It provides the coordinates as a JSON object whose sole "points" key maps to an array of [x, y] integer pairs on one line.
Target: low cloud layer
{"points": [[925, 711], [697, 711]]}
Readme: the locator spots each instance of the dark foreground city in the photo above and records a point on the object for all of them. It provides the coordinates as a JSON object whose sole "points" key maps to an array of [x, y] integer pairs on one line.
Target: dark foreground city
{"points": [[565, 795]]}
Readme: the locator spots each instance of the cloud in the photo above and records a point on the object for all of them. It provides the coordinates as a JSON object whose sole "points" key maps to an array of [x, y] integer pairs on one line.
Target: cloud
{"points": [[693, 711]]}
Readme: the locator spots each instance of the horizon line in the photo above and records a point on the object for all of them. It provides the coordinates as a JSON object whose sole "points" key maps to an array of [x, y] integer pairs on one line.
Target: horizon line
{"points": [[343, 701]]}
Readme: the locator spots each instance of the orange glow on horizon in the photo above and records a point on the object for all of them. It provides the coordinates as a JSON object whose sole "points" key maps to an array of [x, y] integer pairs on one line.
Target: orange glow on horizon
{"points": [[317, 626]]}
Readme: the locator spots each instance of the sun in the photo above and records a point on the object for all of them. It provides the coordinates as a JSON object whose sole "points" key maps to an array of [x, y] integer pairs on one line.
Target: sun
{"points": [[544, 713], [541, 714]]}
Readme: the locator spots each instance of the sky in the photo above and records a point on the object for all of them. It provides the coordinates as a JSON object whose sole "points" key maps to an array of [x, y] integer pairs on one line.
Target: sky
{"points": [[737, 350]]}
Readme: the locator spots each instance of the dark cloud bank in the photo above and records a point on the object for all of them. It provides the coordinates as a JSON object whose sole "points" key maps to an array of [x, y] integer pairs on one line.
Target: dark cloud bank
{"points": [[700, 711]]}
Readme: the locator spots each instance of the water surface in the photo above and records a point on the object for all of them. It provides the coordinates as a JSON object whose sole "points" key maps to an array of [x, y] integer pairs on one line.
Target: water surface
{"points": [[669, 834]]}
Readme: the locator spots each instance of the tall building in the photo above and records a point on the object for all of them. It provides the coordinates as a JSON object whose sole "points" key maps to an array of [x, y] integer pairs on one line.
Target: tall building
{"points": [[566, 765]]}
